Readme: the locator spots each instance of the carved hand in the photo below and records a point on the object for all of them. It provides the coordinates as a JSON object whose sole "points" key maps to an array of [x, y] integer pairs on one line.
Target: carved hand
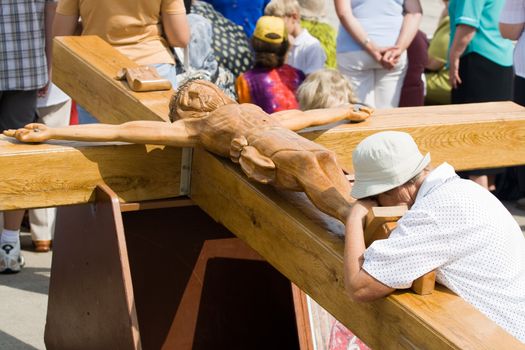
{"points": [[236, 147], [358, 113], [30, 133]]}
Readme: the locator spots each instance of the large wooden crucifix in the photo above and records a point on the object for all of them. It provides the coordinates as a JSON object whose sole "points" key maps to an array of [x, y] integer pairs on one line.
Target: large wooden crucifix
{"points": [[284, 228]]}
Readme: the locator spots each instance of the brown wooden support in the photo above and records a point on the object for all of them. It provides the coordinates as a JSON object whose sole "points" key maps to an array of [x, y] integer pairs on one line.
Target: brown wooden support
{"points": [[91, 303], [173, 279]]}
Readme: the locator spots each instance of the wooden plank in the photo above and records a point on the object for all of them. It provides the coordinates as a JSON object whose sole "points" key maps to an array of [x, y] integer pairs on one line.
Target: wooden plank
{"points": [[469, 136], [61, 173], [85, 68], [478, 135], [308, 251], [377, 217]]}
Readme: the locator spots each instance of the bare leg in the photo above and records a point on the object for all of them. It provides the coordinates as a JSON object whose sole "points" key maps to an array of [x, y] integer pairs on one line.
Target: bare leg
{"points": [[334, 172], [481, 180], [13, 219], [328, 195]]}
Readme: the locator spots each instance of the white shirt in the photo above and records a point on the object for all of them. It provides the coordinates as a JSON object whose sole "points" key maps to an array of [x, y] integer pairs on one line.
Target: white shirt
{"points": [[53, 97], [477, 248], [514, 13], [306, 53]]}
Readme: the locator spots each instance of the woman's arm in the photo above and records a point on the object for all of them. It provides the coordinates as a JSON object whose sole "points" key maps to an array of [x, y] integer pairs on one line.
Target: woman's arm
{"points": [[358, 283], [143, 132], [434, 64], [511, 31], [49, 14], [409, 28], [462, 38], [343, 9], [176, 29], [297, 120]]}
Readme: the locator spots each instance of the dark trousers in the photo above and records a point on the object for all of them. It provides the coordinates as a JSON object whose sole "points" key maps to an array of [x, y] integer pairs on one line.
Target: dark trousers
{"points": [[482, 81], [519, 90], [17, 108]]}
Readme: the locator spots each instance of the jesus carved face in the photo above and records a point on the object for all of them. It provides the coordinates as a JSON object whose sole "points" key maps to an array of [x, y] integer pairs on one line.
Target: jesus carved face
{"points": [[195, 99]]}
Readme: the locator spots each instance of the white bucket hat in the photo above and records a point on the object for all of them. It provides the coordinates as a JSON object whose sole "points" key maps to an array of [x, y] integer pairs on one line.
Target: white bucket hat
{"points": [[384, 161]]}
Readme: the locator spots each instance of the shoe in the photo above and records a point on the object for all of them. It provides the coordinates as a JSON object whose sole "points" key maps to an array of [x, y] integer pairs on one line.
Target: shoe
{"points": [[11, 261], [42, 245]]}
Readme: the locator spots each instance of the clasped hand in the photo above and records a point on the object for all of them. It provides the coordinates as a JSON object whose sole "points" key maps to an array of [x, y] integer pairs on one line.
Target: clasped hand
{"points": [[388, 57]]}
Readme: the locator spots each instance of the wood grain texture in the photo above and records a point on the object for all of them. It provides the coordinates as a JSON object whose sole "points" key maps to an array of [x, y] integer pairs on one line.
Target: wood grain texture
{"points": [[305, 251], [85, 68], [376, 219], [468, 136], [61, 173]]}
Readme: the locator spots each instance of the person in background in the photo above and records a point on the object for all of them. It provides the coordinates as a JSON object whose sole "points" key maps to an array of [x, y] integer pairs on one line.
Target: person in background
{"points": [[511, 26], [242, 12], [142, 30], [271, 84], [230, 44], [306, 52], [201, 59], [54, 110], [371, 46], [436, 74], [313, 18], [413, 90], [480, 62], [325, 88], [25, 64]]}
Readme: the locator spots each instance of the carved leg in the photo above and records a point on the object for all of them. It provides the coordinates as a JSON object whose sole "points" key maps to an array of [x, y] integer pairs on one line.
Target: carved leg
{"points": [[320, 178]]}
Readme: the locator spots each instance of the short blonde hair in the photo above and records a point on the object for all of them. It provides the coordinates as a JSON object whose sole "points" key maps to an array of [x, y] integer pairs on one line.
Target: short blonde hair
{"points": [[281, 8], [325, 88]]}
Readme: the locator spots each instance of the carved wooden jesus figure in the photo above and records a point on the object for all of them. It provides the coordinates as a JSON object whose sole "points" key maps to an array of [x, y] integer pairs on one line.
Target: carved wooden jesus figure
{"points": [[266, 146]]}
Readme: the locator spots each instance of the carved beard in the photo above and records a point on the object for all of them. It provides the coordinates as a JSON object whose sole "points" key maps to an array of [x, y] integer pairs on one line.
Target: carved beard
{"points": [[207, 105]]}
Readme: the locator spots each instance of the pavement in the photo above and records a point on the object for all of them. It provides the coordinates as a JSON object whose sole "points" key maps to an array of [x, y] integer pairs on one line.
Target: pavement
{"points": [[24, 295]]}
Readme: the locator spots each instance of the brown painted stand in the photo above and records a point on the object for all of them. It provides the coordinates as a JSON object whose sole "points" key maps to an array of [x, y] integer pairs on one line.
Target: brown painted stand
{"points": [[168, 278]]}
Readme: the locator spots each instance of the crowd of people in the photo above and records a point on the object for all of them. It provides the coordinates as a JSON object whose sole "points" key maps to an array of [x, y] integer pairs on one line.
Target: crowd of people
{"points": [[284, 55]]}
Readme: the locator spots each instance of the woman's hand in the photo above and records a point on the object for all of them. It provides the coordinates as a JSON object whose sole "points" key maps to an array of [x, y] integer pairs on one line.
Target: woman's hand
{"points": [[390, 57], [360, 209], [30, 133]]}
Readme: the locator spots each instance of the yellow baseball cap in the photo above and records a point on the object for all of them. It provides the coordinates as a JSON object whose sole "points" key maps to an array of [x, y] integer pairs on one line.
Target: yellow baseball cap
{"points": [[270, 29]]}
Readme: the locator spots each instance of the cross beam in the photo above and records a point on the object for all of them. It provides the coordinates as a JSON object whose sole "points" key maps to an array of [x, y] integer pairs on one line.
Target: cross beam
{"points": [[302, 243]]}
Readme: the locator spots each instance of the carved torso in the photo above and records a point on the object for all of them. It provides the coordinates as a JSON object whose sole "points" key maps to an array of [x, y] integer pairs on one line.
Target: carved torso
{"points": [[265, 133], [217, 130]]}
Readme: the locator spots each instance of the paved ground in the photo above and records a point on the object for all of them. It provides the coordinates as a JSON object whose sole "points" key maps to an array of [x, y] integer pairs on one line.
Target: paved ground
{"points": [[24, 296]]}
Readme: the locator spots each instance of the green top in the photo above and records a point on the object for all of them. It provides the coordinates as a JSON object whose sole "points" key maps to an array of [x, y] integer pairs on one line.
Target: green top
{"points": [[438, 48], [326, 35], [438, 85]]}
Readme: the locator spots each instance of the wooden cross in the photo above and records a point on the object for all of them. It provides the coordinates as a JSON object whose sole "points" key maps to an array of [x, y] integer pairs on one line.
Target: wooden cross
{"points": [[284, 228]]}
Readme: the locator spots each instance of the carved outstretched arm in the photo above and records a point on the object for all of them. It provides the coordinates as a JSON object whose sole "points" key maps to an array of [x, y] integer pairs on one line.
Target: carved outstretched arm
{"points": [[297, 120], [143, 132]]}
